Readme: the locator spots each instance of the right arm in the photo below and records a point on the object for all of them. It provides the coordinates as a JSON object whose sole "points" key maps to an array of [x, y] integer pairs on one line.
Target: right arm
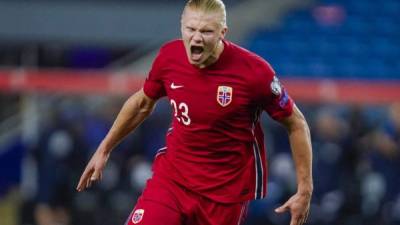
{"points": [[136, 109]]}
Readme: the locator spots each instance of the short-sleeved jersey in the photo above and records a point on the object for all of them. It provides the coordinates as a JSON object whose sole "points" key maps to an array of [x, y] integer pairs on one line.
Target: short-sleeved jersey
{"points": [[215, 144]]}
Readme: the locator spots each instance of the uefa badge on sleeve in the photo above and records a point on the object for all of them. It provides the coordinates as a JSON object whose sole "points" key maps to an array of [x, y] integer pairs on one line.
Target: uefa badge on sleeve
{"points": [[276, 87], [137, 216], [224, 95]]}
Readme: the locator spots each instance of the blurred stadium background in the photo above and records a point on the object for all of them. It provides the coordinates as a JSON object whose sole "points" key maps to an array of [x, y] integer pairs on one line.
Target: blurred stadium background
{"points": [[66, 67]]}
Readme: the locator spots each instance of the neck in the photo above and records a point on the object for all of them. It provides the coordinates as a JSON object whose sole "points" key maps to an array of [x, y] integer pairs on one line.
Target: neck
{"points": [[219, 48]]}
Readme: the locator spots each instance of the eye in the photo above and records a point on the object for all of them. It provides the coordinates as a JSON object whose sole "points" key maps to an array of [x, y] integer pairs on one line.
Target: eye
{"points": [[191, 29]]}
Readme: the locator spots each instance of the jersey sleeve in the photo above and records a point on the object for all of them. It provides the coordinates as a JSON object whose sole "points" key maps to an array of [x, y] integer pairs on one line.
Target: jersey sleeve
{"points": [[280, 104], [153, 85], [273, 96]]}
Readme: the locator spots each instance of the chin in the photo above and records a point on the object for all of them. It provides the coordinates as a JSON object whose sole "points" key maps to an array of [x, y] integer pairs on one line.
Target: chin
{"points": [[196, 62]]}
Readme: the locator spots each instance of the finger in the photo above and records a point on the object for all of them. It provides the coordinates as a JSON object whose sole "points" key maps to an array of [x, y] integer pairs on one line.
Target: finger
{"points": [[88, 183], [295, 220], [95, 176], [83, 180], [302, 220], [306, 217], [282, 208]]}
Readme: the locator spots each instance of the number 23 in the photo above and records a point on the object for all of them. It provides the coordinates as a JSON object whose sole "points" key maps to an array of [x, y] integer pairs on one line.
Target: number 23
{"points": [[183, 112]]}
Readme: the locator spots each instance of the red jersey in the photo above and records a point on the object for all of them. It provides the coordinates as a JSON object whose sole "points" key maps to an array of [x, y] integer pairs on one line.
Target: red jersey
{"points": [[215, 145]]}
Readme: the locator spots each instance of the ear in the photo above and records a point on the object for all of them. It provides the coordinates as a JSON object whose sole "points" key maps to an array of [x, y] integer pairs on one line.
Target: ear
{"points": [[223, 32]]}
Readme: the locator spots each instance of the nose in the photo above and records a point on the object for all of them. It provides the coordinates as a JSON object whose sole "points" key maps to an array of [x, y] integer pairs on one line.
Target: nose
{"points": [[197, 37]]}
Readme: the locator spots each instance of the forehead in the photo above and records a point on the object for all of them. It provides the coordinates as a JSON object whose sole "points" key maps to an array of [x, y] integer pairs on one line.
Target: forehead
{"points": [[199, 18]]}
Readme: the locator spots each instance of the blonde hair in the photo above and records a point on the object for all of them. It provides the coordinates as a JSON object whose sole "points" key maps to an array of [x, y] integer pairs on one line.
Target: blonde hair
{"points": [[209, 6]]}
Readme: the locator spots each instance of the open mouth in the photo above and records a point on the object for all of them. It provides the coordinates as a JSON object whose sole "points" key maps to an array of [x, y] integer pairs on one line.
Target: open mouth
{"points": [[196, 52]]}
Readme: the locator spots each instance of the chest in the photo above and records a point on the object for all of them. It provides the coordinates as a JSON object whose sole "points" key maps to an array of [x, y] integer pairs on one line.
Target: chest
{"points": [[206, 97]]}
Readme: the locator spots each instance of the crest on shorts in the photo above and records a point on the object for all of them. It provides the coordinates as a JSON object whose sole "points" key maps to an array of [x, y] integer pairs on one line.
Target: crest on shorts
{"points": [[224, 95], [276, 86], [137, 216]]}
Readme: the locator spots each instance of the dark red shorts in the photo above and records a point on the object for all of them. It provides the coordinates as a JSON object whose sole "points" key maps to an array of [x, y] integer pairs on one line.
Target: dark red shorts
{"points": [[164, 202]]}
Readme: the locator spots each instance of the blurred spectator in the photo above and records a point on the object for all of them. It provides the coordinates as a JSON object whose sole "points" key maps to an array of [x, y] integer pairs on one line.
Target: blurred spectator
{"points": [[58, 155]]}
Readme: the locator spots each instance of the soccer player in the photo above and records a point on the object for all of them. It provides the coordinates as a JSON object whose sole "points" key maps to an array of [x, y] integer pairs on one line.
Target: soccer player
{"points": [[214, 160]]}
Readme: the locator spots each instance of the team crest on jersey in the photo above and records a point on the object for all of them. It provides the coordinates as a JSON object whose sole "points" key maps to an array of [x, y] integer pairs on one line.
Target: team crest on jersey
{"points": [[224, 95], [137, 216]]}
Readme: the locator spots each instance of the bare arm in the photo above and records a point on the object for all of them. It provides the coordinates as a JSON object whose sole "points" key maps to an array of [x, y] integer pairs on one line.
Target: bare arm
{"points": [[136, 109], [300, 142]]}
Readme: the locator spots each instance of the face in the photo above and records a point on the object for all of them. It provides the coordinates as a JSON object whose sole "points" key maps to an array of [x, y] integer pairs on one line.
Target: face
{"points": [[202, 34]]}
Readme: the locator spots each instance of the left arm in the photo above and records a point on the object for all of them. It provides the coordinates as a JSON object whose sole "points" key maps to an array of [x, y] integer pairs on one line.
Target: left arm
{"points": [[300, 142]]}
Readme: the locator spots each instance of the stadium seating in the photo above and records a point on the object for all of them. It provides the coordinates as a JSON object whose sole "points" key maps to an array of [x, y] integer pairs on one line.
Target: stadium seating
{"points": [[336, 39]]}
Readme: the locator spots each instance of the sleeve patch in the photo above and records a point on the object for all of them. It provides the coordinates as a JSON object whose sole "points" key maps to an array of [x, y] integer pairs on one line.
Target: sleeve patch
{"points": [[276, 87], [284, 99]]}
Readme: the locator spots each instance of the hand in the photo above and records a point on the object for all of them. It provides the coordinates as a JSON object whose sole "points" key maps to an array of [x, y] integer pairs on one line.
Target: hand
{"points": [[299, 206], [93, 171]]}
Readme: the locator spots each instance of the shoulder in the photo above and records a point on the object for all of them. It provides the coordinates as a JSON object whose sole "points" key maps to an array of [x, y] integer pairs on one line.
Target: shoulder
{"points": [[172, 46], [257, 64], [260, 73], [170, 51]]}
